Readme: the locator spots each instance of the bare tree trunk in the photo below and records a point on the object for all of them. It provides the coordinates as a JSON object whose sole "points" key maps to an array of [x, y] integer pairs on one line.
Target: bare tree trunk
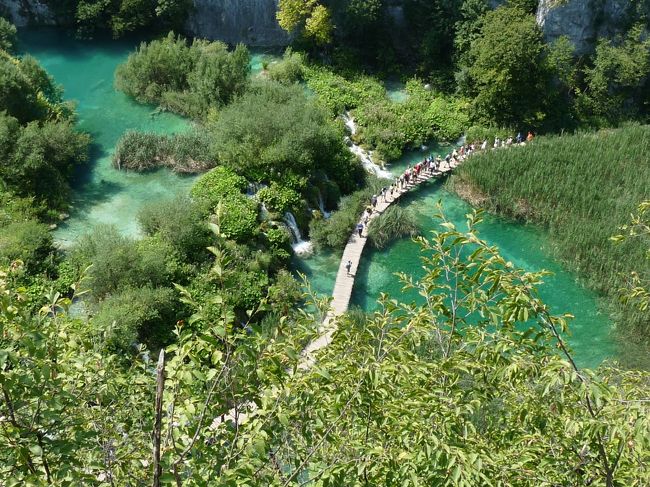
{"points": [[160, 386]]}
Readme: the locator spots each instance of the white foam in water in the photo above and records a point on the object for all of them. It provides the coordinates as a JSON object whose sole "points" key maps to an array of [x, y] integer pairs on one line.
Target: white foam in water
{"points": [[299, 246], [364, 156]]}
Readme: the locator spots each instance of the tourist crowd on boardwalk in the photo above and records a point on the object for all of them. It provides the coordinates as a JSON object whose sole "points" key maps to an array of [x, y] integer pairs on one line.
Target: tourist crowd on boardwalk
{"points": [[432, 166]]}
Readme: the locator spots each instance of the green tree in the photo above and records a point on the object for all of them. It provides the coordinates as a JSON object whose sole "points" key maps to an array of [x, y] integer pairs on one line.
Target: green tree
{"points": [[617, 84], [7, 35], [504, 72], [275, 133], [309, 18]]}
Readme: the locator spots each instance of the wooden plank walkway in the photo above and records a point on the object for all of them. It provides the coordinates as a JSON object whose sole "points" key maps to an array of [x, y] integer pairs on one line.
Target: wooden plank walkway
{"points": [[342, 289], [344, 284]]}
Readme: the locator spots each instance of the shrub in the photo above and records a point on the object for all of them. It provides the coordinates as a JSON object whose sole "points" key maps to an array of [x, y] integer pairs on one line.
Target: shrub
{"points": [[290, 69], [187, 152], [278, 198], [334, 232], [7, 35], [137, 315], [180, 222], [238, 217], [216, 184], [274, 133], [40, 158], [119, 262], [29, 241], [188, 79]]}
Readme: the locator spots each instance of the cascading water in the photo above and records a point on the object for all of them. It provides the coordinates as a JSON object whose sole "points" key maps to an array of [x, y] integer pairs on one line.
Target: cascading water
{"points": [[300, 246], [321, 205], [364, 156]]}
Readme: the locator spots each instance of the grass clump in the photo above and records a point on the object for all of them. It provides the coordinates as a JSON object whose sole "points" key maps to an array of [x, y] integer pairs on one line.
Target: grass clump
{"points": [[185, 153], [395, 222], [582, 188]]}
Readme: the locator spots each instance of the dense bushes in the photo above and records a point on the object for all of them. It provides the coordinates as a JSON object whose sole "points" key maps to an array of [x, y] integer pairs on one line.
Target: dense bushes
{"points": [[28, 241], [278, 198], [120, 17], [274, 133], [390, 126], [183, 153], [334, 232], [7, 35], [217, 183], [39, 146], [582, 188], [28, 93], [137, 315], [39, 159], [290, 69], [182, 224], [188, 79], [238, 219]]}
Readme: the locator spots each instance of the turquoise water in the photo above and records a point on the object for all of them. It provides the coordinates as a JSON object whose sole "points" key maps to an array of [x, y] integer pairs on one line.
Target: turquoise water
{"points": [[525, 246], [102, 194]]}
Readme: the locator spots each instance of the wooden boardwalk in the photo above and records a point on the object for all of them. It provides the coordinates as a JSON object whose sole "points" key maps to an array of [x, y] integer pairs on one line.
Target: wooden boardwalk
{"points": [[342, 289], [344, 284]]}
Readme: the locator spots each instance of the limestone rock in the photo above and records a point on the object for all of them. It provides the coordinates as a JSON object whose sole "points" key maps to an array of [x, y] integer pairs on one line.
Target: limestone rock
{"points": [[252, 22], [27, 12]]}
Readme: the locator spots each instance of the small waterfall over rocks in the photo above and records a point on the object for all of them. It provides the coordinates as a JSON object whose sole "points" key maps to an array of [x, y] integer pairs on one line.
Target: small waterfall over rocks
{"points": [[321, 205], [364, 156], [300, 246]]}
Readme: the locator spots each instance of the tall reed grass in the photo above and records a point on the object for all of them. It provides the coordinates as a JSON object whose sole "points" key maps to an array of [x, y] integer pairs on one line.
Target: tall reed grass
{"points": [[581, 187]]}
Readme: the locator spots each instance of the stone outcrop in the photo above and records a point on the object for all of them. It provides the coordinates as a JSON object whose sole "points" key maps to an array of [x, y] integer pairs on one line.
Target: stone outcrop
{"points": [[27, 12], [583, 21], [252, 22]]}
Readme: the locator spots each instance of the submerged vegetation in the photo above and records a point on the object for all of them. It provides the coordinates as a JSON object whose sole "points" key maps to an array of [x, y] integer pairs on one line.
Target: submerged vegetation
{"points": [[580, 187]]}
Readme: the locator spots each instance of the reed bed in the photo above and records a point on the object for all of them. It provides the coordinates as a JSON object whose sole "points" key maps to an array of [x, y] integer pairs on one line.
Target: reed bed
{"points": [[581, 188]]}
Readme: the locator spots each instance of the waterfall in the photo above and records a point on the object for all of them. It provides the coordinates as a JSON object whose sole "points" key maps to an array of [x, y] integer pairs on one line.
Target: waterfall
{"points": [[321, 205], [364, 156], [300, 246]]}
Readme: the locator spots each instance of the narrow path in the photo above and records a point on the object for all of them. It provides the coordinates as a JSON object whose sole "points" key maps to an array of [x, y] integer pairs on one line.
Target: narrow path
{"points": [[342, 289], [344, 284]]}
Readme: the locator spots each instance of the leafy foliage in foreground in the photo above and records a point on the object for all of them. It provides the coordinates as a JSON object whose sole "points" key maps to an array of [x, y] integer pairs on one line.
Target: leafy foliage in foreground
{"points": [[574, 186], [466, 390]]}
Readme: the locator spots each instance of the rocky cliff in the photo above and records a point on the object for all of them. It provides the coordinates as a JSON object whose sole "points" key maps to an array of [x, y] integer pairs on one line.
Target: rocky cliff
{"points": [[27, 12], [252, 22], [583, 21]]}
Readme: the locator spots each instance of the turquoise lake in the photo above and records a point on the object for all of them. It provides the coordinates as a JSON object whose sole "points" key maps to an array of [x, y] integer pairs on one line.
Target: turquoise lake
{"points": [[103, 195]]}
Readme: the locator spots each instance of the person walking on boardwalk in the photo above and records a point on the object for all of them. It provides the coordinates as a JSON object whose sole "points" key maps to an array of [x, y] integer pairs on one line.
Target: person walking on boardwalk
{"points": [[348, 266], [360, 229], [373, 201]]}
